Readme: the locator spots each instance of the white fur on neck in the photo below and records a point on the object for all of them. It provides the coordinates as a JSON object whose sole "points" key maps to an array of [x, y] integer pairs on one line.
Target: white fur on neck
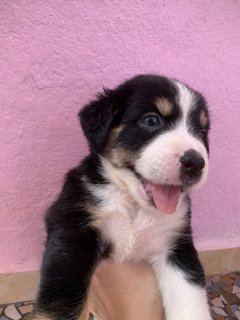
{"points": [[137, 230]]}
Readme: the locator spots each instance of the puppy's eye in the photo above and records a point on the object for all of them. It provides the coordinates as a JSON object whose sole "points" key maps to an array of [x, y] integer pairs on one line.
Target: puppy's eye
{"points": [[151, 120]]}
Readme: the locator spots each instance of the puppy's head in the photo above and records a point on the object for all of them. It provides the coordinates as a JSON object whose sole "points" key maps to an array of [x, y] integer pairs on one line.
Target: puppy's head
{"points": [[157, 128]]}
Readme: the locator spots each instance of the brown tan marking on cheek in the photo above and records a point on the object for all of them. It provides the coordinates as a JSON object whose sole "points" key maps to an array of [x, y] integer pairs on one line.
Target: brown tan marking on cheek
{"points": [[164, 106], [112, 140], [122, 157], [203, 119], [116, 154]]}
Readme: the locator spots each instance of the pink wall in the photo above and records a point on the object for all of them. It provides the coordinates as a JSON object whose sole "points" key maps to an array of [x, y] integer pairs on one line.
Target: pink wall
{"points": [[56, 54]]}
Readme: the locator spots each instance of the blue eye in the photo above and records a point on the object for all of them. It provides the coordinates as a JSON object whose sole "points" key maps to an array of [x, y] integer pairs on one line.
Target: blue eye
{"points": [[151, 120]]}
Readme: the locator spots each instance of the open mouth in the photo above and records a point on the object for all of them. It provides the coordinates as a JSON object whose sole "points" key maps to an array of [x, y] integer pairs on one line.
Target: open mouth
{"points": [[164, 197]]}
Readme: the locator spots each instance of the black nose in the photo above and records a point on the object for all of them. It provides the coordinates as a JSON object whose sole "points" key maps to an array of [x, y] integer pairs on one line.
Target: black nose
{"points": [[192, 162]]}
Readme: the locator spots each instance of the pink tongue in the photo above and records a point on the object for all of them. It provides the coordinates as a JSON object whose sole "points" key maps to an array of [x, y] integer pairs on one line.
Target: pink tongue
{"points": [[165, 197]]}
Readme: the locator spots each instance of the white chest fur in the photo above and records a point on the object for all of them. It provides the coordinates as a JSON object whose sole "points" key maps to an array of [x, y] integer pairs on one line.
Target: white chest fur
{"points": [[136, 233]]}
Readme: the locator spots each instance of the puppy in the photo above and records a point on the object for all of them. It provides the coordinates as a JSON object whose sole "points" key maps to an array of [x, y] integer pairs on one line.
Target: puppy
{"points": [[129, 198]]}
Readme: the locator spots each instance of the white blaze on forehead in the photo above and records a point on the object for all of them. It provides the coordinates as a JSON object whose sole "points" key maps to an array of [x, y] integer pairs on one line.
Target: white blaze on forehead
{"points": [[186, 99]]}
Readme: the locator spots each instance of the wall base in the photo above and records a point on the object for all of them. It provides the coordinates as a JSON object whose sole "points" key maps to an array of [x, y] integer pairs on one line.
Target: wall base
{"points": [[22, 286]]}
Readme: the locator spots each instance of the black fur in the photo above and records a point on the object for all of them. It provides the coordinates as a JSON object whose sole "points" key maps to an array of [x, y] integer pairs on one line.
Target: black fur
{"points": [[193, 120], [72, 248], [183, 255], [96, 120]]}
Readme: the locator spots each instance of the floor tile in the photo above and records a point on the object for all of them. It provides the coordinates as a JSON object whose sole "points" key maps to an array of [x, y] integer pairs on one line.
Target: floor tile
{"points": [[219, 311], [25, 308], [217, 302], [12, 312], [237, 314]]}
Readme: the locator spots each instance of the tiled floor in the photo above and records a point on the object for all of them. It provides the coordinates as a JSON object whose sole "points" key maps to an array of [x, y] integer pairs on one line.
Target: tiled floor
{"points": [[223, 293], [224, 296], [15, 311]]}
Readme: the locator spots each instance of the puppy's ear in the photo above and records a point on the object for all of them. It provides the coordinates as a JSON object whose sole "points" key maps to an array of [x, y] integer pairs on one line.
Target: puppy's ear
{"points": [[96, 118]]}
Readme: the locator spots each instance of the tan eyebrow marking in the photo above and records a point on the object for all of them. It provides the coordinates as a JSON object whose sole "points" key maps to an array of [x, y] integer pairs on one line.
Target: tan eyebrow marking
{"points": [[203, 118], [164, 106]]}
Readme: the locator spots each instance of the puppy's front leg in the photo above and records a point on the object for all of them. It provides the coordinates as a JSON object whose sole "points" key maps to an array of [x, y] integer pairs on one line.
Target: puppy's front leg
{"points": [[68, 263], [181, 281]]}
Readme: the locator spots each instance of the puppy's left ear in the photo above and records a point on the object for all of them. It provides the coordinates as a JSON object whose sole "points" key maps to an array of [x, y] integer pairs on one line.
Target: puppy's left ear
{"points": [[96, 118]]}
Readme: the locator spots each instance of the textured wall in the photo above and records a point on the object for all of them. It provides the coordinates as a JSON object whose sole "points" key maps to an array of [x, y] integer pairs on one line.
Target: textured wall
{"points": [[56, 54]]}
